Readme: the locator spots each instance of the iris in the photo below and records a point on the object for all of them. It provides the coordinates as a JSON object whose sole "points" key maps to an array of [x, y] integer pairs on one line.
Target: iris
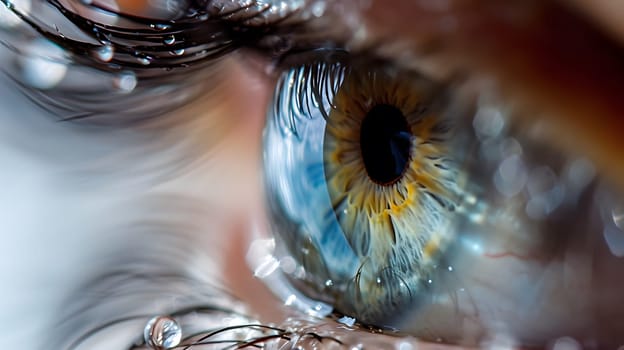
{"points": [[369, 163]]}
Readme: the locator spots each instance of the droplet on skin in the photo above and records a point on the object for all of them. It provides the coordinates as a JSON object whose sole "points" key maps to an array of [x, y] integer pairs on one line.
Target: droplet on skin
{"points": [[288, 264], [290, 300], [405, 346], [266, 267], [260, 257], [162, 332]]}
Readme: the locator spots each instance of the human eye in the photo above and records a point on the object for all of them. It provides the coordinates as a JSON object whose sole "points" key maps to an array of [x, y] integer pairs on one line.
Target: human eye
{"points": [[481, 145], [415, 199]]}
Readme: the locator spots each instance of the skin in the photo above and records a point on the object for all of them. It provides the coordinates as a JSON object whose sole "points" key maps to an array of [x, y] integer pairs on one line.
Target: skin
{"points": [[74, 197]]}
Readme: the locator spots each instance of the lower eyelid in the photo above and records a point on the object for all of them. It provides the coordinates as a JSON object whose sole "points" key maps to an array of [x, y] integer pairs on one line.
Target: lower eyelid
{"points": [[153, 270]]}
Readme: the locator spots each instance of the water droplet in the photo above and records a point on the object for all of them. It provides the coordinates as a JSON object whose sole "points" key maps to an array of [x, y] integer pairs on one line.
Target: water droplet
{"points": [[566, 343], [349, 321], [450, 268], [160, 26], [404, 345], [501, 341], [105, 53], [178, 52], [126, 82], [329, 283], [266, 267], [318, 8], [618, 217], [170, 40], [290, 300], [613, 231], [43, 64], [144, 60], [162, 332], [288, 264]]}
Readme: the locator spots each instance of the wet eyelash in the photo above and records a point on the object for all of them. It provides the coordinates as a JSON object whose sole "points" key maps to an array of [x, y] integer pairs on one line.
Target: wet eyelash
{"points": [[141, 282], [202, 35], [91, 313], [169, 62], [312, 79], [309, 88], [263, 336]]}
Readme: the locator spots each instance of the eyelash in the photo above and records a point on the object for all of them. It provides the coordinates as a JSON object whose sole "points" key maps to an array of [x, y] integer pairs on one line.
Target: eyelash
{"points": [[102, 304], [144, 57]]}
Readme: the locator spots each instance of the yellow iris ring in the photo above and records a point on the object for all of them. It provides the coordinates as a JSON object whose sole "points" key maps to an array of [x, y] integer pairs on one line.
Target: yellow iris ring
{"points": [[377, 219]]}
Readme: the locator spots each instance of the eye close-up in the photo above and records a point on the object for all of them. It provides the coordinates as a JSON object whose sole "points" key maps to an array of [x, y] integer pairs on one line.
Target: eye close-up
{"points": [[310, 174], [413, 208]]}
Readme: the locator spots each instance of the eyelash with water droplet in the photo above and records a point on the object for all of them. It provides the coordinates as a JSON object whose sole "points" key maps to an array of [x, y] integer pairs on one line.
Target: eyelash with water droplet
{"points": [[200, 36], [161, 59]]}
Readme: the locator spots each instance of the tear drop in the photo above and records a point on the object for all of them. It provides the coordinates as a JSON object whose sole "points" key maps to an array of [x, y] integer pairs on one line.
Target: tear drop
{"points": [[105, 53], [162, 332], [169, 40]]}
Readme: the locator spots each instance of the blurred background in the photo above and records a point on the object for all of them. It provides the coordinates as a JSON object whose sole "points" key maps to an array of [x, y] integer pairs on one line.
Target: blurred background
{"points": [[76, 196]]}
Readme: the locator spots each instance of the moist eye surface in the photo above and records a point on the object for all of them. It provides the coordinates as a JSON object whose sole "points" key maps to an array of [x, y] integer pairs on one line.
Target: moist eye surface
{"points": [[411, 209]]}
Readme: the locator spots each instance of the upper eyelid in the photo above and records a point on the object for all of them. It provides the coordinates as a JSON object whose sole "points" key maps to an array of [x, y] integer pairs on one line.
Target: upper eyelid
{"points": [[129, 44], [206, 34]]}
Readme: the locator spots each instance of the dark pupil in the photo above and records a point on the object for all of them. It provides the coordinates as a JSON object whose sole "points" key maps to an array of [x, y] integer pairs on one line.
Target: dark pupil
{"points": [[385, 141]]}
